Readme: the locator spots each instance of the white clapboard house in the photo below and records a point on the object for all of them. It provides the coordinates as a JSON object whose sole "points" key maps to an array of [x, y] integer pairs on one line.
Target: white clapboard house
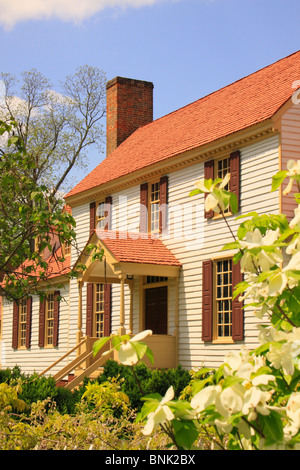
{"points": [[163, 266]]}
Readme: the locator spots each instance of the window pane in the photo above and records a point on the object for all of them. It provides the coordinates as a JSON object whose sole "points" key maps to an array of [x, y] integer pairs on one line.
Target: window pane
{"points": [[101, 216], [99, 310], [49, 319], [154, 206], [22, 323], [224, 298]]}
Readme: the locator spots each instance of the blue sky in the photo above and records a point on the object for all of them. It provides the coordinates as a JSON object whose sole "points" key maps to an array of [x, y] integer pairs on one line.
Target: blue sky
{"points": [[187, 48]]}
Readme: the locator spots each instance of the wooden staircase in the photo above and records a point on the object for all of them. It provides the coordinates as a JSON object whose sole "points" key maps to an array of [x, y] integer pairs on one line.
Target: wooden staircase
{"points": [[84, 365]]}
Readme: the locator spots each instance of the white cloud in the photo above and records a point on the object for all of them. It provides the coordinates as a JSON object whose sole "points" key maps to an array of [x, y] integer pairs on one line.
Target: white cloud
{"points": [[15, 11]]}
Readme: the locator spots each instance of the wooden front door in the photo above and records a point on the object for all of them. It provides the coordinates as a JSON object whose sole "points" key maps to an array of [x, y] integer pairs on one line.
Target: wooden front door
{"points": [[156, 310]]}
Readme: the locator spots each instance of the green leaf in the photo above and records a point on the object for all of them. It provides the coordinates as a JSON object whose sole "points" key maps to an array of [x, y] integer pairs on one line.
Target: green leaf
{"points": [[232, 380], [186, 433], [195, 191], [241, 287], [278, 179], [233, 203], [140, 348], [99, 344], [148, 407], [272, 427], [294, 274], [150, 355], [231, 246]]}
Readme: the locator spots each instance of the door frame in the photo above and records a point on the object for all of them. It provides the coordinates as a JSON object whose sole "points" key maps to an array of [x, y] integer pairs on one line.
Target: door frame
{"points": [[143, 287]]}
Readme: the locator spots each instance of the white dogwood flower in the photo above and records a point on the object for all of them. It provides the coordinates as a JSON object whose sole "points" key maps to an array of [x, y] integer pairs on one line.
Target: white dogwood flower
{"points": [[293, 413], [213, 200], [293, 167], [296, 220], [280, 356], [128, 354], [161, 414], [205, 397]]}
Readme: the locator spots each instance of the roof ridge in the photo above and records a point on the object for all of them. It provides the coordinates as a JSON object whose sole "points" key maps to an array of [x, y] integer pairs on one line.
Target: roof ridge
{"points": [[247, 101], [223, 88]]}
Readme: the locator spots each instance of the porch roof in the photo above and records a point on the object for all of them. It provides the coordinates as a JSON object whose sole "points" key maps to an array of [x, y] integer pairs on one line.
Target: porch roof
{"points": [[126, 253]]}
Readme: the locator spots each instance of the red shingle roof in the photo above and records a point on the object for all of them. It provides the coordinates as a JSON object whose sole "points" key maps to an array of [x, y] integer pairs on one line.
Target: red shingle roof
{"points": [[137, 248], [55, 267], [242, 104]]}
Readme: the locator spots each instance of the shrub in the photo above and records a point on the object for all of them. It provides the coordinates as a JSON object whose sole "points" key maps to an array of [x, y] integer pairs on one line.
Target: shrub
{"points": [[141, 380]]}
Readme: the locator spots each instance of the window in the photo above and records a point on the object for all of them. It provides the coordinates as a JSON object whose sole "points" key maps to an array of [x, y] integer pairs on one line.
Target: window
{"points": [[154, 207], [99, 310], [22, 323], [100, 222], [223, 299], [67, 249], [222, 316], [219, 168], [155, 279], [222, 167], [49, 320], [153, 203], [21, 333]]}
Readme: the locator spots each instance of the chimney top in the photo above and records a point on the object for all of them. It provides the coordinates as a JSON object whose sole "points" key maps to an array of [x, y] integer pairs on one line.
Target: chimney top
{"points": [[129, 106]]}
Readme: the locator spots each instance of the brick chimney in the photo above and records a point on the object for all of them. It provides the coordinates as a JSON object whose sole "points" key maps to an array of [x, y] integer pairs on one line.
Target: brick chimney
{"points": [[129, 105]]}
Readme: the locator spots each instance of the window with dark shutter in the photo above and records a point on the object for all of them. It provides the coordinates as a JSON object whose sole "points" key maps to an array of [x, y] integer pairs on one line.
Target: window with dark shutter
{"points": [[144, 208], [56, 317], [108, 208], [222, 316], [163, 204], [218, 169], [15, 325]]}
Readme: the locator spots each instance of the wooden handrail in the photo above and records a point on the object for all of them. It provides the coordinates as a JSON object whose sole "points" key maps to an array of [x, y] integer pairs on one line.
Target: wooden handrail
{"points": [[63, 357], [77, 380], [72, 365]]}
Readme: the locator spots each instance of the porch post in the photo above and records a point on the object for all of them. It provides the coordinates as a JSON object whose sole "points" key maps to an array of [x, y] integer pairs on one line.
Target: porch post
{"points": [[131, 308], [122, 330], [176, 330], [79, 321]]}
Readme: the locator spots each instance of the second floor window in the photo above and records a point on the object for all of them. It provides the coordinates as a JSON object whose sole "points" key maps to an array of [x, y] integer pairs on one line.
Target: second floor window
{"points": [[100, 221], [154, 207]]}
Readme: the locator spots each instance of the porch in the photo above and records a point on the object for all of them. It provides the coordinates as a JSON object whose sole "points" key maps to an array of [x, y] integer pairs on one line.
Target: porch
{"points": [[86, 365], [125, 260]]}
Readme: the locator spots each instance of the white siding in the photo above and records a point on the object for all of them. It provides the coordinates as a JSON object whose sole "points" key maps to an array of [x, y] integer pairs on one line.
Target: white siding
{"points": [[35, 359], [191, 238]]}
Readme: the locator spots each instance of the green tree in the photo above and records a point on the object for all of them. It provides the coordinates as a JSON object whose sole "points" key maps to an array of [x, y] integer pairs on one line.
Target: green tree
{"points": [[44, 134], [30, 216], [56, 128]]}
